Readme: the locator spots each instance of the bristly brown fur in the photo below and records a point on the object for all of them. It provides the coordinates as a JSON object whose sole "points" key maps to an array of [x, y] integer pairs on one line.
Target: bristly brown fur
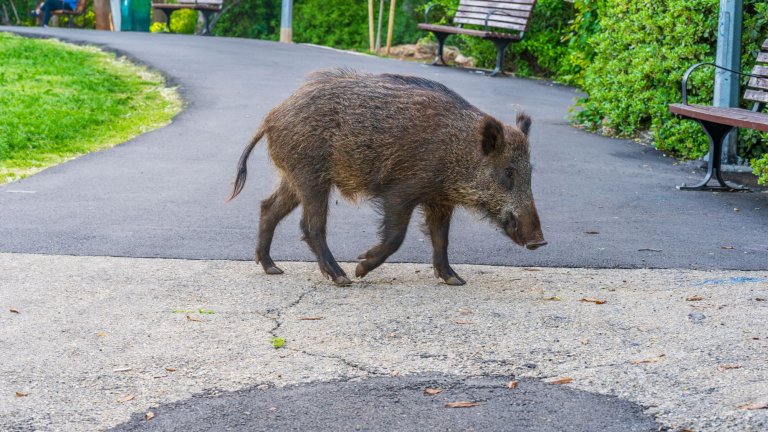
{"points": [[404, 141]]}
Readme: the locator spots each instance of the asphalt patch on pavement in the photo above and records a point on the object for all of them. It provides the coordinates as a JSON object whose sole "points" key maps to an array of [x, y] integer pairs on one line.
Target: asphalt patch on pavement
{"points": [[400, 403]]}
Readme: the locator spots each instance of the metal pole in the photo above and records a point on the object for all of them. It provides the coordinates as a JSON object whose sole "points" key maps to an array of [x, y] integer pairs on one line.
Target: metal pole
{"points": [[286, 22], [391, 24], [728, 55]]}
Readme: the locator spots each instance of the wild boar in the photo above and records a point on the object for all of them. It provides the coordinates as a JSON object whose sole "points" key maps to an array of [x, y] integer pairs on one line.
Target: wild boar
{"points": [[404, 142]]}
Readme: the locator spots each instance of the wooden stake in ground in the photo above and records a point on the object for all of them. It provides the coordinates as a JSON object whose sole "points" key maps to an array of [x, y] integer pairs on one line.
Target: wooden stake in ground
{"points": [[101, 9], [391, 24], [378, 32], [370, 23]]}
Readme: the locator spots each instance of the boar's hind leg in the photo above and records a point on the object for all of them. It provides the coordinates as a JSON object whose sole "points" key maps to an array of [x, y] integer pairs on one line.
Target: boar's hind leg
{"points": [[313, 224], [393, 229], [438, 222], [273, 210]]}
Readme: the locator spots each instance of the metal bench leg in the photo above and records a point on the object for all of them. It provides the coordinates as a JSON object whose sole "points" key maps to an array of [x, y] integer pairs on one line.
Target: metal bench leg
{"points": [[167, 20], [441, 37], [717, 134], [501, 48], [207, 14]]}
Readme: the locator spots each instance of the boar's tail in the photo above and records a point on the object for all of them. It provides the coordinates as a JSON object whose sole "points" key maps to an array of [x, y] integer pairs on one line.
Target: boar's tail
{"points": [[242, 165]]}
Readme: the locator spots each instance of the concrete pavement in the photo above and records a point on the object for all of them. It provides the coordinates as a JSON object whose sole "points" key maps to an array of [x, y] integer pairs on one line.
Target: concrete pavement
{"points": [[177, 336]]}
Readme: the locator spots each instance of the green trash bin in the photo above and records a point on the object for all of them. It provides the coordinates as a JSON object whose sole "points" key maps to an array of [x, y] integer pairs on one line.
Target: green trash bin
{"points": [[135, 15]]}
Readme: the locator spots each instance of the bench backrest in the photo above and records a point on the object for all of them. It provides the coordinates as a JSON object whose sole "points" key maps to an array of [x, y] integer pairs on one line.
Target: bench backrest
{"points": [[507, 14], [757, 88], [205, 2]]}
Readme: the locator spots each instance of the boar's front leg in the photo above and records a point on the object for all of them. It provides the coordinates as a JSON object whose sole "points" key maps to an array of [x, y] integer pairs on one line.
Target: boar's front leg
{"points": [[313, 224], [438, 219], [273, 210], [397, 214]]}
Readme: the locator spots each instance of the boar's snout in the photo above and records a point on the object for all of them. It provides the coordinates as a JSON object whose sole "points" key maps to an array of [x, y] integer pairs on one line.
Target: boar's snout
{"points": [[525, 229]]}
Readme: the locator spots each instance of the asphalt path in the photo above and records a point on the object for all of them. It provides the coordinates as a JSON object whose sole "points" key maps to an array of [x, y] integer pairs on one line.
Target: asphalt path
{"points": [[400, 404], [162, 194]]}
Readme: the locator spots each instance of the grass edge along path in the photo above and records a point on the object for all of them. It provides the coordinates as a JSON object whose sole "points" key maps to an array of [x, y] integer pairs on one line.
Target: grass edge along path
{"points": [[59, 101]]}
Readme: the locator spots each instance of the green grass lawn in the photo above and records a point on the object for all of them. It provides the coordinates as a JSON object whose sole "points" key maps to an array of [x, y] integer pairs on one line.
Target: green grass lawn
{"points": [[59, 101]]}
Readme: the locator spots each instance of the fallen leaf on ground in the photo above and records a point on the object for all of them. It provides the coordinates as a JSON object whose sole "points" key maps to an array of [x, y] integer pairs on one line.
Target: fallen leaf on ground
{"points": [[584, 341], [312, 318], [754, 406], [125, 369], [21, 394], [202, 311], [759, 299], [194, 318], [149, 415], [392, 335], [101, 334], [278, 342], [463, 322], [591, 232], [650, 360], [16, 311], [126, 398], [727, 247], [432, 391], [512, 384], [461, 404], [736, 209], [723, 367], [394, 373], [563, 380], [694, 298], [553, 298], [593, 300], [171, 369], [649, 250]]}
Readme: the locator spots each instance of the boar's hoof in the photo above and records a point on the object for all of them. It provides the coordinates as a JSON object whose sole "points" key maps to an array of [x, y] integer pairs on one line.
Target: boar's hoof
{"points": [[273, 270], [342, 280], [360, 270], [454, 280]]}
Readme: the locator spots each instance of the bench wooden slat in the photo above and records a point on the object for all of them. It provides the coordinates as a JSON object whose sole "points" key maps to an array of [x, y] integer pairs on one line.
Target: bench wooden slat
{"points": [[493, 19], [506, 12], [481, 22], [736, 117], [756, 96], [477, 33], [498, 5], [176, 6], [759, 83]]}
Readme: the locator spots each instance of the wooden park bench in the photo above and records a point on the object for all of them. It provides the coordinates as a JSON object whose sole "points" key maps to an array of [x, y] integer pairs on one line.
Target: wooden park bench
{"points": [[71, 14], [718, 122], [492, 15], [207, 7]]}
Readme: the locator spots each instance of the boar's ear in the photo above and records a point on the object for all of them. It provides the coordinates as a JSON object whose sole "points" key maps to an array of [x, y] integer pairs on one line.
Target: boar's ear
{"points": [[524, 123], [492, 135]]}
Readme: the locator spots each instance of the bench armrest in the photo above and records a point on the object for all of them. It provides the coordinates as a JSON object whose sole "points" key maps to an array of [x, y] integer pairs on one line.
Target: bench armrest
{"points": [[429, 8], [698, 65], [496, 12]]}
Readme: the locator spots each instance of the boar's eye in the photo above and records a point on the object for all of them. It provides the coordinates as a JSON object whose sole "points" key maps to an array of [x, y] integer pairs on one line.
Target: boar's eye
{"points": [[509, 172]]}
